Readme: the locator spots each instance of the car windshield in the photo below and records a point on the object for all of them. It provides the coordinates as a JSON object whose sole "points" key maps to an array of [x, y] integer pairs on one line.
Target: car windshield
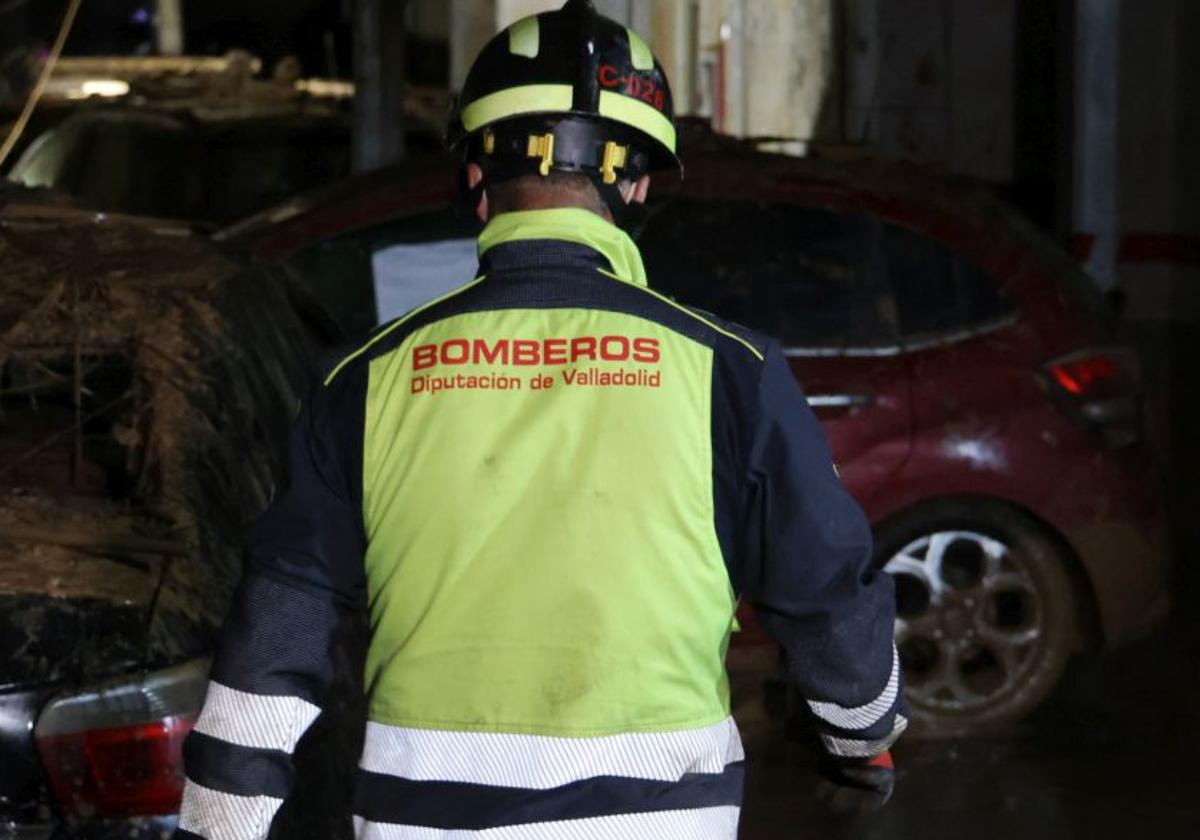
{"points": [[801, 275], [145, 167]]}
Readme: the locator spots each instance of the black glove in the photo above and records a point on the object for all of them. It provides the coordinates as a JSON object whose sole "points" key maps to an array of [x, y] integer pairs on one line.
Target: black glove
{"points": [[857, 785]]}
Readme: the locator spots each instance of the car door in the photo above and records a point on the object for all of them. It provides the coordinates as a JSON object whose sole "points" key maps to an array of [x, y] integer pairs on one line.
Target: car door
{"points": [[808, 277], [966, 365]]}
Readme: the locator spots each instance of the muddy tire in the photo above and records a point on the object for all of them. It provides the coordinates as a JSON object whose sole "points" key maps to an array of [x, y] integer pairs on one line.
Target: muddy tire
{"points": [[986, 612]]}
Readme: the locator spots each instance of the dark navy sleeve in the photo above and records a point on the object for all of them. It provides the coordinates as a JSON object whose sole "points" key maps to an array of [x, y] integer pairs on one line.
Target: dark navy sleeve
{"points": [[806, 567], [302, 586]]}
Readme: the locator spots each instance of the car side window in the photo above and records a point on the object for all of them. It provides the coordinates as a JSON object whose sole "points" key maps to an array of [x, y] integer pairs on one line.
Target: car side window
{"points": [[938, 292], [250, 171], [802, 275], [373, 275]]}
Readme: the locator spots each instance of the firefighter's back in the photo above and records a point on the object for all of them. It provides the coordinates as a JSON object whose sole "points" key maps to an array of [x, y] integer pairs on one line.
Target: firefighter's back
{"points": [[550, 604], [538, 494]]}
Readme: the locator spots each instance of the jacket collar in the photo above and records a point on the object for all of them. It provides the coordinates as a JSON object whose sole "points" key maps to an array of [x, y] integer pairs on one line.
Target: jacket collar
{"points": [[578, 226]]}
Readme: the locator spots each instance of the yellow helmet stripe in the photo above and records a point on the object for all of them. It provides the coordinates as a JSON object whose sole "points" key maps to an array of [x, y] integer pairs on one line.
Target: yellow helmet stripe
{"points": [[524, 37], [639, 115], [515, 101], [639, 52]]}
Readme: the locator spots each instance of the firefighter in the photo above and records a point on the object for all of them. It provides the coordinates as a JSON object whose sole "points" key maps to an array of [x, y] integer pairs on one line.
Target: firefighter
{"points": [[549, 489]]}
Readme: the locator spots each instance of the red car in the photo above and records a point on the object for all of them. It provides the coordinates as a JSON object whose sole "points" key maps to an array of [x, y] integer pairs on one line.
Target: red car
{"points": [[977, 402]]}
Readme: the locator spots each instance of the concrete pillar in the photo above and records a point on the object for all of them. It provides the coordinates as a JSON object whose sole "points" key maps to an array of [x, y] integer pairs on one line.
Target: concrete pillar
{"points": [[933, 81], [671, 28], [734, 70], [169, 27], [771, 66], [862, 51], [714, 34], [472, 24], [510, 11], [429, 20], [789, 68], [1097, 104], [1156, 187], [981, 39], [379, 35]]}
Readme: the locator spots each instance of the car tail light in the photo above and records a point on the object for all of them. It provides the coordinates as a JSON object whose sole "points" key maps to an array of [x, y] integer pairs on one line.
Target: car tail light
{"points": [[1101, 389], [116, 749]]}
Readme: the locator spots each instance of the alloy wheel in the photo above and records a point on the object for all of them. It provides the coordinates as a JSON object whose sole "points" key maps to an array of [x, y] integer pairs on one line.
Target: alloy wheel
{"points": [[969, 620]]}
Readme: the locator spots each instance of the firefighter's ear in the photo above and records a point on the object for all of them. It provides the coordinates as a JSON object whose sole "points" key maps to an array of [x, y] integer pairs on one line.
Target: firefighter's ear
{"points": [[635, 192], [474, 179]]}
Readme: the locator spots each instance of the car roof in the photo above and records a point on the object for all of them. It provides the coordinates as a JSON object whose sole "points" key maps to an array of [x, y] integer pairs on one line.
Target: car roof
{"points": [[908, 193]]}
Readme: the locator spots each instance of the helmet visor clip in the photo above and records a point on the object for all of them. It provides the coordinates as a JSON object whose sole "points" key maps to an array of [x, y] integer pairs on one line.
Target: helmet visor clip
{"points": [[542, 146], [615, 157]]}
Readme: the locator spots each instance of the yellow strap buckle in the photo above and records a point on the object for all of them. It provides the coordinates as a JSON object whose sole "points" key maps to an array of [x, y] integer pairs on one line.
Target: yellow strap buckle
{"points": [[615, 158], [542, 147]]}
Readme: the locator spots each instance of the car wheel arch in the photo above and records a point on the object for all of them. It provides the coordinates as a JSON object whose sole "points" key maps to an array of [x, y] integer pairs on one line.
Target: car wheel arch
{"points": [[1089, 627]]}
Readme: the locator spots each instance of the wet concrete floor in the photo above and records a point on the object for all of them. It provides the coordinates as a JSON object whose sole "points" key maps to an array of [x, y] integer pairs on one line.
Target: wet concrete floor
{"points": [[1112, 755], [1115, 753]]}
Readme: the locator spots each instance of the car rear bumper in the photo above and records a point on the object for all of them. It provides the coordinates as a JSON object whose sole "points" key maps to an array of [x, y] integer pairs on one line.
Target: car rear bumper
{"points": [[12, 831], [1126, 561], [143, 828]]}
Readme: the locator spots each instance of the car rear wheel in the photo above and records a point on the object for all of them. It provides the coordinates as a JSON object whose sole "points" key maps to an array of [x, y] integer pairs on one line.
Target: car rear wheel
{"points": [[986, 612]]}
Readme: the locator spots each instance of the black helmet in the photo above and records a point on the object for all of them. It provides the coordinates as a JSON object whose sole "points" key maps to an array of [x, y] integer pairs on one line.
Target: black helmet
{"points": [[568, 91]]}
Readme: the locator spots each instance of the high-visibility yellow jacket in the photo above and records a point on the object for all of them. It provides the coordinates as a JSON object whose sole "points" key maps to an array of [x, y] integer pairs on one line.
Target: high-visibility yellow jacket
{"points": [[548, 488]]}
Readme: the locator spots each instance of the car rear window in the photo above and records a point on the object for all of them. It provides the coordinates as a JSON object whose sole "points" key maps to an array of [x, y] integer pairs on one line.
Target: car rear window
{"points": [[937, 290], [802, 275], [374, 274], [1082, 292]]}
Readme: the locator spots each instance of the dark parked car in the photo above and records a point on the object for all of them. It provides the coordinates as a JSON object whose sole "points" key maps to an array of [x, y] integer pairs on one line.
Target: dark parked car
{"points": [[976, 397], [208, 163], [146, 384]]}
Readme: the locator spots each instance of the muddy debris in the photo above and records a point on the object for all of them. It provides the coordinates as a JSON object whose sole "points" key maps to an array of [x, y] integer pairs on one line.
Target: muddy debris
{"points": [[145, 383]]}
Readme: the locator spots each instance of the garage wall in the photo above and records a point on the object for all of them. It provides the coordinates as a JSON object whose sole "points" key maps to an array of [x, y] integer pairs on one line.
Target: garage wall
{"points": [[933, 81], [1153, 186]]}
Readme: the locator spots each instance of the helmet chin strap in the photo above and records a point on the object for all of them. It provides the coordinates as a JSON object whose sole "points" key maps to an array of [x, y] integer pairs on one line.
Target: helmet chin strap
{"points": [[629, 216], [467, 198]]}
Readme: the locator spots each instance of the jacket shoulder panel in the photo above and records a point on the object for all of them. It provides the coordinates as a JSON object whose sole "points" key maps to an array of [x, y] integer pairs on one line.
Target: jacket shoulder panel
{"points": [[389, 335], [758, 344], [755, 343]]}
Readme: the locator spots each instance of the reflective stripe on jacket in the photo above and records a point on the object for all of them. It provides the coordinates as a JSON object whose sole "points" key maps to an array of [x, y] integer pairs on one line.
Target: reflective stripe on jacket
{"points": [[549, 488]]}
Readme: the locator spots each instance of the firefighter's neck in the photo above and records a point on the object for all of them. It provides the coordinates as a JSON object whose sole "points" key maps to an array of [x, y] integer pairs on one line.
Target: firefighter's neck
{"points": [[536, 193], [537, 197]]}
